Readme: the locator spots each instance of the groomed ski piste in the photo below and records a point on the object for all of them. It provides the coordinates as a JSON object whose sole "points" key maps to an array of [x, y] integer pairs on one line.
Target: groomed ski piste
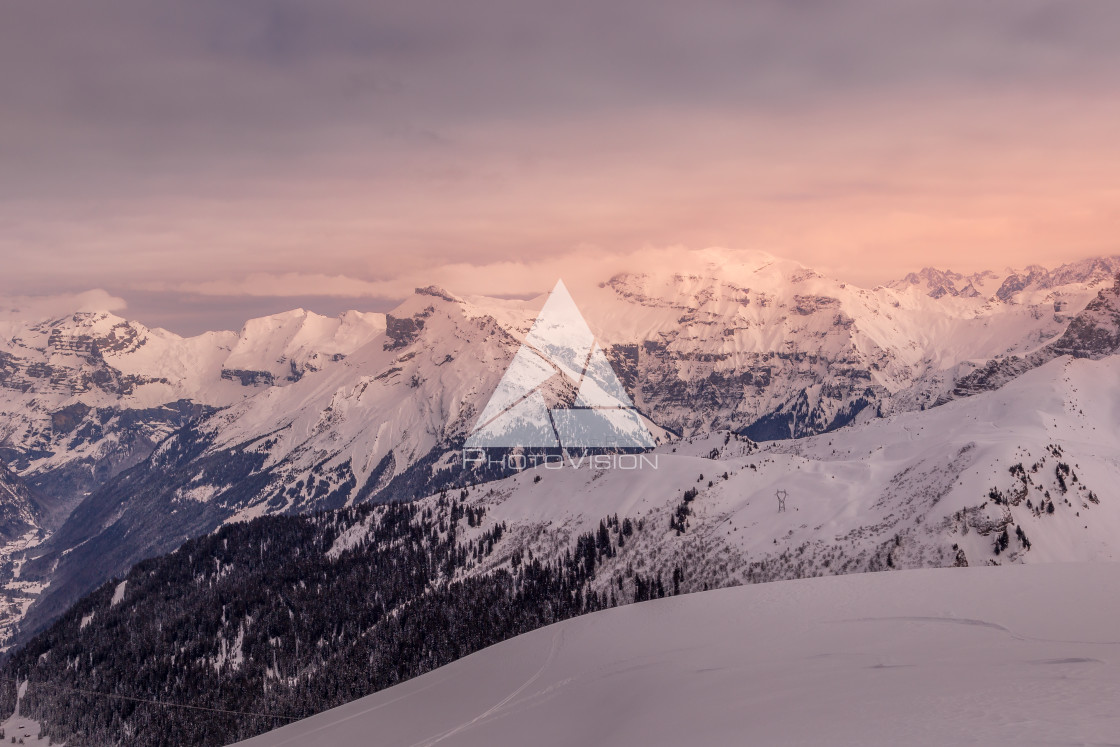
{"points": [[1015, 655]]}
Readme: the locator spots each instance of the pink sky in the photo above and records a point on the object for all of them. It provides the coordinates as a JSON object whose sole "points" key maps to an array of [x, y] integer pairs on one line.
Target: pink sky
{"points": [[351, 150]]}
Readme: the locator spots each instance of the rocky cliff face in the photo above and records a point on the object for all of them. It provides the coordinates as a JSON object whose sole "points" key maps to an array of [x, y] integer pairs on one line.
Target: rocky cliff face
{"points": [[1095, 332], [20, 510], [1092, 333]]}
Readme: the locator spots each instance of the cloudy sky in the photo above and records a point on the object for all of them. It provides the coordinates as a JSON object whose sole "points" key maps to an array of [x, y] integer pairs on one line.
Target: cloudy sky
{"points": [[207, 160]]}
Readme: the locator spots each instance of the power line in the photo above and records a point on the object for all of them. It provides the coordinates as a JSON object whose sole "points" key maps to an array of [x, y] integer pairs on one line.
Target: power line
{"points": [[161, 703]]}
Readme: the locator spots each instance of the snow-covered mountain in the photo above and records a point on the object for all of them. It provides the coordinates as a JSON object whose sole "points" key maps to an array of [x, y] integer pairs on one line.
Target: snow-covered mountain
{"points": [[770, 350], [767, 347], [1021, 475], [934, 657], [298, 413], [1093, 333], [87, 395]]}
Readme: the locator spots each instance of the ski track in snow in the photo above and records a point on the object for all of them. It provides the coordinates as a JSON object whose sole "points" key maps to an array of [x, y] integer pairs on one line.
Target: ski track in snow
{"points": [[557, 642]]}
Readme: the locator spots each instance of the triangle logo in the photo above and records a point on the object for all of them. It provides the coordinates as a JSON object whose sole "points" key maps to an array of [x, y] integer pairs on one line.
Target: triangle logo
{"points": [[560, 391]]}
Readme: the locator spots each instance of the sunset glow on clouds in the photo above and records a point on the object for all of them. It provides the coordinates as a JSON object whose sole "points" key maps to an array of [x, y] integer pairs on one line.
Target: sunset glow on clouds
{"points": [[353, 149], [580, 267]]}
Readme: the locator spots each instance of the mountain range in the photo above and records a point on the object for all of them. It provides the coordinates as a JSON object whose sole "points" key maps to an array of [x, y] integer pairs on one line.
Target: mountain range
{"points": [[126, 441]]}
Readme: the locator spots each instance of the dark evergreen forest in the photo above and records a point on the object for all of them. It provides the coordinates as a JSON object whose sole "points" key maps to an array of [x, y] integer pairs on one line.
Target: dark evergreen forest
{"points": [[261, 618]]}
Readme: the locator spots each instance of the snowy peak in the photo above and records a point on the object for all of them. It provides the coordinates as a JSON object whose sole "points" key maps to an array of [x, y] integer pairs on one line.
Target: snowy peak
{"points": [[81, 334], [1025, 285], [1096, 270], [86, 352], [99, 353], [939, 283], [88, 394], [1034, 277], [400, 400], [1017, 287], [436, 292], [283, 347]]}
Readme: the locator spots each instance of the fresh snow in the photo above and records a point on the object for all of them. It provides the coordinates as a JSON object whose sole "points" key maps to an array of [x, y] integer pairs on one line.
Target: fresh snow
{"points": [[296, 341], [232, 655], [995, 656], [20, 729], [908, 491], [118, 594]]}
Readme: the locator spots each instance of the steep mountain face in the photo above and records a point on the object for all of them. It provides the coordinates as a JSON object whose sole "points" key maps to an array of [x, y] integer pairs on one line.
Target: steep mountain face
{"points": [[280, 614], [1093, 333], [299, 413], [87, 396], [22, 516], [20, 511], [775, 350]]}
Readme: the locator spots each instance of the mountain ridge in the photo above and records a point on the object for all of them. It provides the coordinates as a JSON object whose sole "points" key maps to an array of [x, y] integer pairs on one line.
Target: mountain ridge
{"points": [[769, 349]]}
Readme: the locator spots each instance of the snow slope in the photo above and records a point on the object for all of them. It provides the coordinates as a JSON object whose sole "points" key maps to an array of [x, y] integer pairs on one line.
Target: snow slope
{"points": [[288, 345], [18, 727], [977, 481], [997, 656]]}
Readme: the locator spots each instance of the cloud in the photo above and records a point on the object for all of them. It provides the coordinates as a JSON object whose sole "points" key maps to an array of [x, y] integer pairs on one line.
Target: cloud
{"points": [[267, 284], [356, 149], [510, 278], [51, 306]]}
